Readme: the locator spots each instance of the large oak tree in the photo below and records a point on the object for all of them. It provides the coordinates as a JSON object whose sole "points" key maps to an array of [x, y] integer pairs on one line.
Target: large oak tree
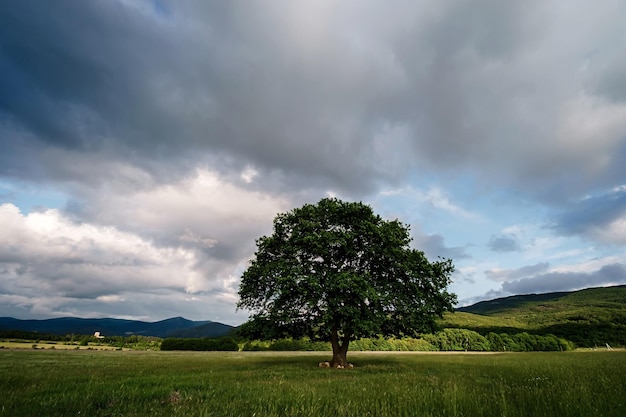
{"points": [[336, 271]]}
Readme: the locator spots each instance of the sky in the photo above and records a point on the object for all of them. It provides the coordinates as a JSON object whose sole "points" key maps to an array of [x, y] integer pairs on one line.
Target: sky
{"points": [[146, 145]]}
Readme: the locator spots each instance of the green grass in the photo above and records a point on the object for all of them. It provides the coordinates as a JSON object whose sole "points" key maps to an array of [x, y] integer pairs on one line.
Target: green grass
{"points": [[105, 383], [463, 320], [14, 344]]}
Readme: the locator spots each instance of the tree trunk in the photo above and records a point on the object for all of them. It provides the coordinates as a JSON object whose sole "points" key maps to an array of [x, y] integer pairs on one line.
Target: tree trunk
{"points": [[340, 351]]}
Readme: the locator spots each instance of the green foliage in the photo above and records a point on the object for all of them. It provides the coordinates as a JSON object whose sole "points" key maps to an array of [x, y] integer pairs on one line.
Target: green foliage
{"points": [[373, 344], [405, 344], [26, 335], [472, 321], [445, 340], [304, 344], [590, 334], [256, 346], [194, 344], [289, 344], [523, 342], [458, 339], [468, 340], [336, 270]]}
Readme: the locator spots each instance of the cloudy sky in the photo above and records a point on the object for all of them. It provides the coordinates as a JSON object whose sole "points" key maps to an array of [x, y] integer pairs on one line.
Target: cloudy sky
{"points": [[145, 145]]}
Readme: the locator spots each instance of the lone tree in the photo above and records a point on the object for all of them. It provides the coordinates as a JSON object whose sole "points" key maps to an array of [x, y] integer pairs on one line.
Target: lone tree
{"points": [[337, 272]]}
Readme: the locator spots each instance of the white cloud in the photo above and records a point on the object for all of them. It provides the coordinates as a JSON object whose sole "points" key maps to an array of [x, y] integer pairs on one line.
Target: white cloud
{"points": [[439, 199], [126, 250], [189, 236], [613, 233], [47, 251], [434, 197], [249, 174], [505, 275], [589, 129], [588, 266]]}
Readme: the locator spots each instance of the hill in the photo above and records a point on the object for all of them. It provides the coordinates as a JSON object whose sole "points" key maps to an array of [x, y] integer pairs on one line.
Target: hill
{"points": [[210, 329], [589, 317], [117, 327]]}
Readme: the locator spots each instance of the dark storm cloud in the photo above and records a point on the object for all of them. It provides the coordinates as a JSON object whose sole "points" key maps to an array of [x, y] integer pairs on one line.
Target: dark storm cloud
{"points": [[101, 77], [504, 275], [593, 216], [566, 281], [505, 243], [434, 246], [502, 93], [312, 94], [76, 77]]}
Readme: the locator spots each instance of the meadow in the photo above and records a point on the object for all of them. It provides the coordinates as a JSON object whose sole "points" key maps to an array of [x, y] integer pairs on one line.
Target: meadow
{"points": [[132, 383]]}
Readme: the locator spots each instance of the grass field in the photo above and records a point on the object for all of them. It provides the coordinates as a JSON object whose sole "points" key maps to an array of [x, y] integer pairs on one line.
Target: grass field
{"points": [[127, 383], [53, 345]]}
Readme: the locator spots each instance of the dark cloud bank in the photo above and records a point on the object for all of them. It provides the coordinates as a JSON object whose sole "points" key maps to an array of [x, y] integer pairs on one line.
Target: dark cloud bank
{"points": [[345, 96], [614, 274]]}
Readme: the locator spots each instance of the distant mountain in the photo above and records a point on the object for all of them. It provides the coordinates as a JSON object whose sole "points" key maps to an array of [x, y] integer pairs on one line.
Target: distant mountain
{"points": [[116, 327], [588, 317], [210, 329]]}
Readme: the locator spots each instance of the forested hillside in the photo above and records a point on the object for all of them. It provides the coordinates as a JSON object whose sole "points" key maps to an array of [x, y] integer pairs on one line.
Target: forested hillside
{"points": [[589, 317]]}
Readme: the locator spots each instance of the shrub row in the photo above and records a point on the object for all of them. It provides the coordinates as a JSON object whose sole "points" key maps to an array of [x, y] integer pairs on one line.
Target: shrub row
{"points": [[458, 340], [582, 334], [365, 344], [463, 339], [392, 345], [444, 340], [303, 344], [206, 344], [524, 342]]}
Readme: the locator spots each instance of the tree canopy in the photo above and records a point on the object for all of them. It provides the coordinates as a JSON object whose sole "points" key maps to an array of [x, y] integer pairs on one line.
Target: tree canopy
{"points": [[336, 271]]}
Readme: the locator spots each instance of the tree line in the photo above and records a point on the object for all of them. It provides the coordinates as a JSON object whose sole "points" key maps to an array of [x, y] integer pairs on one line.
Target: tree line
{"points": [[444, 340]]}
